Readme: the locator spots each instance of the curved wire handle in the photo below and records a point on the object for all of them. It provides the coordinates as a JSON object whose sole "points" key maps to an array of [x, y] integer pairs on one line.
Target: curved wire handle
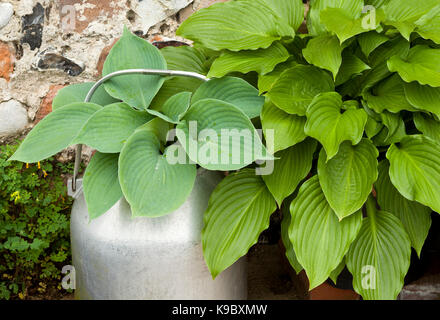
{"points": [[165, 73]]}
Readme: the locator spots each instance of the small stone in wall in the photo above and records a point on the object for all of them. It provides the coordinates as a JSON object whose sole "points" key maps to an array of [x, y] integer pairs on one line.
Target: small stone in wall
{"points": [[32, 27], [13, 117], [6, 12], [51, 60]]}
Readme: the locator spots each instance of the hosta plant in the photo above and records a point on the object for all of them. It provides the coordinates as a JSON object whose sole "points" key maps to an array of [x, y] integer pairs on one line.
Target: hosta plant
{"points": [[349, 112]]}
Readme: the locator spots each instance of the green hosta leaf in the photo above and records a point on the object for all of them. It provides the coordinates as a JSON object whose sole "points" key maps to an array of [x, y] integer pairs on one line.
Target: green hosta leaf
{"points": [[292, 166], [287, 129], [353, 8], [233, 90], [174, 108], [221, 26], [351, 65], [262, 61], [151, 184], [109, 128], [373, 127], [428, 26], [423, 97], [331, 60], [335, 273], [285, 224], [347, 178], [266, 82], [55, 132], [379, 257], [403, 14], [291, 11], [339, 21], [186, 58], [422, 65], [388, 94], [415, 169], [319, 240], [428, 125], [415, 217], [327, 123], [101, 184], [238, 211], [397, 46], [377, 3], [219, 136], [370, 41], [132, 52], [385, 137], [296, 88], [76, 93]]}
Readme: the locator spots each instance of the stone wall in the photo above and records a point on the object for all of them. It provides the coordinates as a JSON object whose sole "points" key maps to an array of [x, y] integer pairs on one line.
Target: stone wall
{"points": [[48, 44]]}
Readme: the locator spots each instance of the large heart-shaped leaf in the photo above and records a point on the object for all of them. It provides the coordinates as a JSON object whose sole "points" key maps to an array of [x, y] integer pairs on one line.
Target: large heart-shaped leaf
{"points": [[296, 87], [347, 178], [422, 65], [423, 97], [287, 129], [319, 239], [379, 257], [238, 211], [233, 90], [292, 166], [415, 169], [370, 41], [186, 58], [101, 184], [174, 108], [428, 26], [266, 81], [331, 60], [132, 52], [109, 128], [415, 217], [261, 61], [77, 93], [221, 26], [290, 252], [351, 65], [388, 94], [428, 125], [291, 11], [331, 125], [218, 136], [151, 184], [55, 132]]}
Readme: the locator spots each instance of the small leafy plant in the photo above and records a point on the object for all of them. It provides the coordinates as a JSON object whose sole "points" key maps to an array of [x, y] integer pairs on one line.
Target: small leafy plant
{"points": [[350, 111], [34, 226]]}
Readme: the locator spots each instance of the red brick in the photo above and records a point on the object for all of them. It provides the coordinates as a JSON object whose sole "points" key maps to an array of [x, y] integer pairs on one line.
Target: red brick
{"points": [[103, 56], [6, 61], [46, 103]]}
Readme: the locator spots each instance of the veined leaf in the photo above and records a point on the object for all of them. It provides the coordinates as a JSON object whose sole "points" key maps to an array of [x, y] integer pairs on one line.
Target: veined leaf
{"points": [[262, 61], [109, 128], [397, 46], [388, 94], [292, 166], [424, 98], [221, 26], [285, 224], [328, 125], [266, 82], [174, 108], [101, 184], [287, 129], [428, 26], [76, 93], [351, 65], [296, 88], [422, 65], [132, 52], [347, 178], [151, 183], [370, 41], [332, 60], [415, 217], [185, 58], [428, 125], [379, 257], [291, 11], [218, 136], [238, 211], [233, 90], [55, 132], [319, 240], [335, 273], [415, 169]]}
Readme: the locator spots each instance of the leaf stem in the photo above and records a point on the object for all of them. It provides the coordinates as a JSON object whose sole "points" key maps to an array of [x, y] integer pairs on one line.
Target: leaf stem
{"points": [[371, 208]]}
